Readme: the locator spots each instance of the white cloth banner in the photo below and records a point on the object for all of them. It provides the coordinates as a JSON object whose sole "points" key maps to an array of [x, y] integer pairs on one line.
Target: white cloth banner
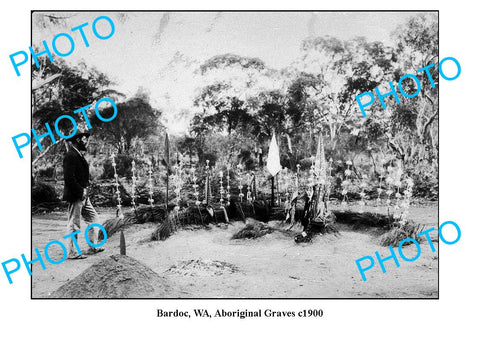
{"points": [[273, 159]]}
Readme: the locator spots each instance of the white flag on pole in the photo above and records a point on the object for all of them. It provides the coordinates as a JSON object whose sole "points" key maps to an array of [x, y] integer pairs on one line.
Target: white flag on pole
{"points": [[273, 159]]}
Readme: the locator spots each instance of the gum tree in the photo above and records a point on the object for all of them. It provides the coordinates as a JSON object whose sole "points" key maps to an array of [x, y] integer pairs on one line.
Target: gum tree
{"points": [[342, 69], [230, 81], [60, 89], [135, 119], [417, 47]]}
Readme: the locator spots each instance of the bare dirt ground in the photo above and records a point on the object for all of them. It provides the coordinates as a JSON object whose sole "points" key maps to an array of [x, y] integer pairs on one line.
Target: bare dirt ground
{"points": [[208, 264]]}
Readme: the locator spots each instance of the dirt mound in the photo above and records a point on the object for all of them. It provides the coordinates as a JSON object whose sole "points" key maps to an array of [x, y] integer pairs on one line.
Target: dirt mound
{"points": [[202, 268], [117, 276]]}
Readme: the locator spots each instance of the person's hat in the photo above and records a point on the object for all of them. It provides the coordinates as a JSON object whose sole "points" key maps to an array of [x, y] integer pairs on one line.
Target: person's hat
{"points": [[79, 135]]}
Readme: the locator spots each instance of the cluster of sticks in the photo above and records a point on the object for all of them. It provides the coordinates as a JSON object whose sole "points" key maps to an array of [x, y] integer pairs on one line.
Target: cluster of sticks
{"points": [[248, 203]]}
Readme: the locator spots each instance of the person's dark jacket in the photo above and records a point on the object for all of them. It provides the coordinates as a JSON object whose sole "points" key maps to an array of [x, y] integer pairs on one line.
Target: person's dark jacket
{"points": [[75, 174]]}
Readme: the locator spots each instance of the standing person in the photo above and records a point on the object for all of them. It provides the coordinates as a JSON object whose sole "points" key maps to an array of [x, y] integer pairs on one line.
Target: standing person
{"points": [[76, 176]]}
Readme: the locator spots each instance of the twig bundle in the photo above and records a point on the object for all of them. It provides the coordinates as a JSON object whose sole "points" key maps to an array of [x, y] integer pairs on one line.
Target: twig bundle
{"points": [[399, 232]]}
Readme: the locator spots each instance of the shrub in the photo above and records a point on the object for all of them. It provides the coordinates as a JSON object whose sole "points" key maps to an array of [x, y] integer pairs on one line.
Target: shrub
{"points": [[43, 192], [425, 185], [47, 172]]}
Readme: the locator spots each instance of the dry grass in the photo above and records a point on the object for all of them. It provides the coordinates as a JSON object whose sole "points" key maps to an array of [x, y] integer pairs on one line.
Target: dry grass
{"points": [[398, 233], [164, 230]]}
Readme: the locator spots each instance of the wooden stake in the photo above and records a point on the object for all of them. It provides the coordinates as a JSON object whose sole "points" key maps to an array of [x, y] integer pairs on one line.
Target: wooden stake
{"points": [[123, 247]]}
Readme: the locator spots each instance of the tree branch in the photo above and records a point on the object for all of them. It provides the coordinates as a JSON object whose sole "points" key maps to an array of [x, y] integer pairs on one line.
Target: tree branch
{"points": [[46, 151], [429, 122]]}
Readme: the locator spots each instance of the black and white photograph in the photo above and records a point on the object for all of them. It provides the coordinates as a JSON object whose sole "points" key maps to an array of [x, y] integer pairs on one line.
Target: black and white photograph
{"points": [[235, 154]]}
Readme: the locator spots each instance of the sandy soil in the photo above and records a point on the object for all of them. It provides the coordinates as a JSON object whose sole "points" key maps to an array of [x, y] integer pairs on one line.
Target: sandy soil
{"points": [[208, 264]]}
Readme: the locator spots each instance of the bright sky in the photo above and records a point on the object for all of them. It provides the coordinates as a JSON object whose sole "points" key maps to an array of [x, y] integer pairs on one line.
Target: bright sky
{"points": [[160, 51]]}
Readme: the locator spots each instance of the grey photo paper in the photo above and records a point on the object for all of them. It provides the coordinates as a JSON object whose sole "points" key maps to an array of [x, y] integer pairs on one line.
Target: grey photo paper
{"points": [[208, 167]]}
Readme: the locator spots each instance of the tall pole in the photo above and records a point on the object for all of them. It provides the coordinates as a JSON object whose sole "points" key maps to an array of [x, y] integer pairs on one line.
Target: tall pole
{"points": [[166, 196], [272, 199], [279, 192], [134, 180], [167, 164]]}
